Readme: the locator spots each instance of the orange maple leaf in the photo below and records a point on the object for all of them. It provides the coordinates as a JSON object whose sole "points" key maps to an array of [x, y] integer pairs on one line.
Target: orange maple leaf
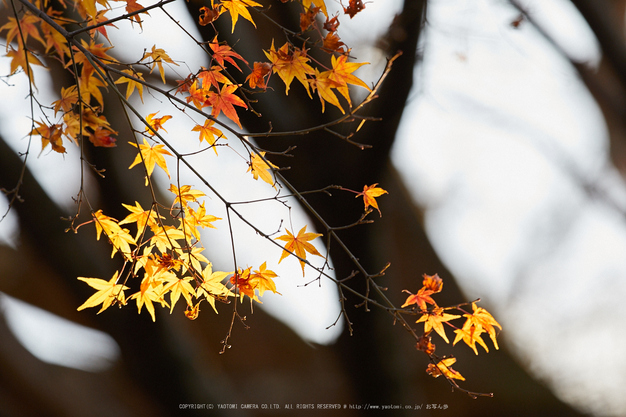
{"points": [[224, 101], [208, 15], [50, 135], [223, 53], [324, 85], [433, 282], [257, 77], [24, 59], [342, 75], [444, 367], [421, 298], [369, 195], [299, 245], [470, 334], [482, 319]]}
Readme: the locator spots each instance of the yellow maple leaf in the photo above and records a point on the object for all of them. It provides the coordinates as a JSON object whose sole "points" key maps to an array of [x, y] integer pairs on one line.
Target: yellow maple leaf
{"points": [[212, 286], [108, 292], [369, 195], [156, 123], [342, 74], [435, 319], [208, 133], [299, 245], [177, 287], [151, 156], [158, 56], [105, 223], [132, 83], [323, 84], [290, 65], [185, 194], [444, 367], [263, 279], [470, 334], [261, 169], [239, 7], [149, 291], [140, 216], [481, 318]]}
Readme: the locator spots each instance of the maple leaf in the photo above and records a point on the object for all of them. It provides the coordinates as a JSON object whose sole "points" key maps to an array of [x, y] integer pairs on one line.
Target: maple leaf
{"points": [[342, 74], [212, 77], [158, 56], [470, 334], [185, 194], [481, 318], [151, 156], [133, 6], [200, 218], [27, 26], [324, 85], [121, 241], [239, 7], [24, 59], [105, 223], [290, 65], [149, 291], [263, 279], [224, 102], [353, 8], [333, 43], [425, 345], [257, 77], [299, 245], [177, 287], [308, 18], [69, 97], [212, 286], [50, 135], [435, 319], [260, 168], [433, 282], [90, 87], [421, 298], [108, 292], [223, 53], [166, 237], [132, 83], [208, 15], [369, 195], [141, 217], [102, 137], [156, 123], [444, 367], [241, 281], [192, 312], [193, 257], [208, 133]]}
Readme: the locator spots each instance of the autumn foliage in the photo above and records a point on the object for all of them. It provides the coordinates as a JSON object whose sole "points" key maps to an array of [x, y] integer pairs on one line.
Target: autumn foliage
{"points": [[159, 246]]}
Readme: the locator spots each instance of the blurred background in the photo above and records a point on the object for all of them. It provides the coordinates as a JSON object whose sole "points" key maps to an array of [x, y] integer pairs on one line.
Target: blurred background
{"points": [[502, 147]]}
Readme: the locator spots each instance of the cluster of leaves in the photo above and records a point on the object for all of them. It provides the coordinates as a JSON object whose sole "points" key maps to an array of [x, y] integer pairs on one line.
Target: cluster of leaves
{"points": [[164, 258], [477, 322]]}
